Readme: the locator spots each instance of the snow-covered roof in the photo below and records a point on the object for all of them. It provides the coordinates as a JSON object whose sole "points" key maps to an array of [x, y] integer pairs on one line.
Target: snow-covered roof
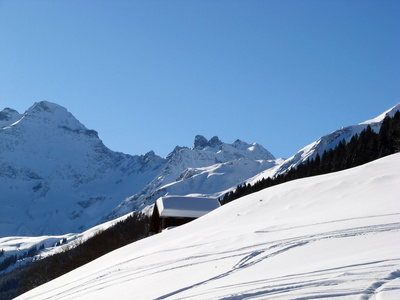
{"points": [[185, 207]]}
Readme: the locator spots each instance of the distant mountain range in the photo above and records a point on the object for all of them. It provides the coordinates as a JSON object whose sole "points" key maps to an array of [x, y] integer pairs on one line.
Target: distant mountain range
{"points": [[56, 176]]}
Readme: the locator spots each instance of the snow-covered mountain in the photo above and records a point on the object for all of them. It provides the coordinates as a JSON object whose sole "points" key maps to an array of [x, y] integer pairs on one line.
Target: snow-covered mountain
{"points": [[57, 177], [209, 168], [220, 167], [325, 143], [333, 236]]}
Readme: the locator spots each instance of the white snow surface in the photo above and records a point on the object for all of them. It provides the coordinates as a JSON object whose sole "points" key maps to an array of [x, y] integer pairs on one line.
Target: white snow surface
{"points": [[333, 236], [185, 207], [389, 112]]}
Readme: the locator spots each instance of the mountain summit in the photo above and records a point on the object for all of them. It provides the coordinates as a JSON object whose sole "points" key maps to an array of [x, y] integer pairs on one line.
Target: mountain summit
{"points": [[56, 176]]}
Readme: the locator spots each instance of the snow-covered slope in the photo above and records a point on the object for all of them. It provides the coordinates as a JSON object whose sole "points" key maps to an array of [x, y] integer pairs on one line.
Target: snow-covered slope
{"points": [[56, 176], [333, 236]]}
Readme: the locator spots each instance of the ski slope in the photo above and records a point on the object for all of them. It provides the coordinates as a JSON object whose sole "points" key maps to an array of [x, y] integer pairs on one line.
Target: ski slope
{"points": [[332, 236]]}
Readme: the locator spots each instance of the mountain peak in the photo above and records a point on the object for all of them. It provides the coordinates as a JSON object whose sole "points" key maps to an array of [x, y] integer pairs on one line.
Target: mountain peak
{"points": [[7, 114], [46, 113], [390, 113], [59, 173], [214, 142], [200, 142], [239, 144], [47, 107]]}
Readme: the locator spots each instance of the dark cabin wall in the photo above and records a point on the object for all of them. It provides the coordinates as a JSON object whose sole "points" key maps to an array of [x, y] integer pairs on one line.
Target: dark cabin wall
{"points": [[170, 221], [157, 224]]}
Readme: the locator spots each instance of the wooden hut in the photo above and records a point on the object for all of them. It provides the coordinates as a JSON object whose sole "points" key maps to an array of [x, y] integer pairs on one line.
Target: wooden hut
{"points": [[177, 210]]}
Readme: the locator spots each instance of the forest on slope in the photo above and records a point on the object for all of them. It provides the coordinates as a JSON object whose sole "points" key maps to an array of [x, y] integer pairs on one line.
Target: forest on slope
{"points": [[363, 148]]}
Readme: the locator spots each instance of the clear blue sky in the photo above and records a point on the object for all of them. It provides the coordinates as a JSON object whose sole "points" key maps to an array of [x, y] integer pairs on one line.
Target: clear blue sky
{"points": [[150, 75]]}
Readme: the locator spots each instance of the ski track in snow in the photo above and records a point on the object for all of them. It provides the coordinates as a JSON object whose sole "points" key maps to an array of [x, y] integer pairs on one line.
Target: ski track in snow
{"points": [[248, 257], [282, 246]]}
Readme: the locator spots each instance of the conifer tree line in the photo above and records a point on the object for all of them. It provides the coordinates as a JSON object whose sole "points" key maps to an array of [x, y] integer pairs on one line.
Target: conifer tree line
{"points": [[362, 148], [10, 260], [33, 274]]}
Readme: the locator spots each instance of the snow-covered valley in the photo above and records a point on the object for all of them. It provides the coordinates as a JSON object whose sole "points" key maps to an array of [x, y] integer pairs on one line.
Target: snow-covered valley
{"points": [[331, 236]]}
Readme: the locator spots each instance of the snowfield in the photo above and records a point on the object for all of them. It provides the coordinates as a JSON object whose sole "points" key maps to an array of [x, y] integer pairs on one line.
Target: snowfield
{"points": [[331, 236]]}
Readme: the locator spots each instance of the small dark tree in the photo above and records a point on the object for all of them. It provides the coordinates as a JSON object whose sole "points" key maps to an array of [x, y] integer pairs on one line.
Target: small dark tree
{"points": [[32, 251]]}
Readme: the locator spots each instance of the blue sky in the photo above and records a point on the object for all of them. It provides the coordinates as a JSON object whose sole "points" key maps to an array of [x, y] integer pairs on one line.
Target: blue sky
{"points": [[150, 75]]}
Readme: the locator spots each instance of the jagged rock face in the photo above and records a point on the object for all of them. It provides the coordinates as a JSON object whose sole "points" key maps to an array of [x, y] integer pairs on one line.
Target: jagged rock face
{"points": [[214, 142], [201, 143]]}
